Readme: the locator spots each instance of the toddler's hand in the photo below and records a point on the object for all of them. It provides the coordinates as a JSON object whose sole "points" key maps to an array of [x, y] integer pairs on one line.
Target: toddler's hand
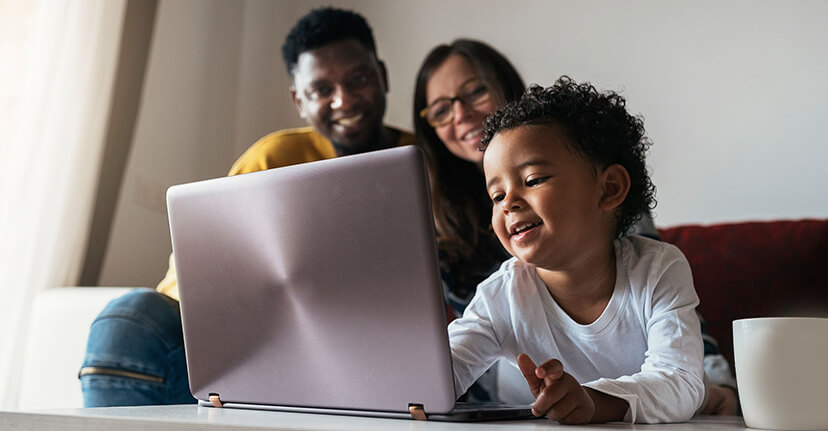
{"points": [[557, 394], [721, 401]]}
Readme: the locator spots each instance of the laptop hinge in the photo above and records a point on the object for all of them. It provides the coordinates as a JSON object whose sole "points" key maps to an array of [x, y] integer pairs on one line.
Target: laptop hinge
{"points": [[215, 400], [417, 412]]}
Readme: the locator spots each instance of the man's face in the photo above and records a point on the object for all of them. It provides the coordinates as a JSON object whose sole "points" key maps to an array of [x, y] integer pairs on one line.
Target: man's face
{"points": [[339, 89]]}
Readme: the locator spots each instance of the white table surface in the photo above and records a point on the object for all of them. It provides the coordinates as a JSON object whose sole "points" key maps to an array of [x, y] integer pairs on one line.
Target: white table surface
{"points": [[192, 417]]}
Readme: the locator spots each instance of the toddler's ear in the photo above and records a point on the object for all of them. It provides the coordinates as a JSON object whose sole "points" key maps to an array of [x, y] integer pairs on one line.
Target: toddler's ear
{"points": [[616, 184]]}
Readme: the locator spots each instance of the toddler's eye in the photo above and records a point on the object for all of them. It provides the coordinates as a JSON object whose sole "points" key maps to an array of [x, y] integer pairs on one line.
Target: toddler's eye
{"points": [[535, 181], [497, 198]]}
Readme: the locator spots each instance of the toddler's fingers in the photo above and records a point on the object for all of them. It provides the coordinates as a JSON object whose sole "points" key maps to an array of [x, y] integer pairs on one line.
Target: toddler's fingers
{"points": [[548, 399], [550, 370], [561, 411], [527, 368], [526, 363]]}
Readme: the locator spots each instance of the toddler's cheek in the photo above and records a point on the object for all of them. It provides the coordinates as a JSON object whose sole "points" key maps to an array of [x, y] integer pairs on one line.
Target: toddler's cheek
{"points": [[502, 235]]}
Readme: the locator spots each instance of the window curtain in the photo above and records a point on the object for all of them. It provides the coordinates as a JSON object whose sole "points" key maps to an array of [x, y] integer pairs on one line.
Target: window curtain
{"points": [[57, 65]]}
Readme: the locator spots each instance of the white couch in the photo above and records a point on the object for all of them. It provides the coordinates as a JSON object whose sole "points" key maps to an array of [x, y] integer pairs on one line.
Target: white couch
{"points": [[56, 342]]}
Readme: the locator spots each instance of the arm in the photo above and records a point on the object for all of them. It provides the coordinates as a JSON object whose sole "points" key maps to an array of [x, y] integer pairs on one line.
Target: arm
{"points": [[474, 342], [169, 285], [722, 395], [669, 387]]}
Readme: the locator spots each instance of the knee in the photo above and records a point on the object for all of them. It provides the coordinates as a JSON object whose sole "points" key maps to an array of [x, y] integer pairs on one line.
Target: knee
{"points": [[142, 316], [135, 353], [140, 300]]}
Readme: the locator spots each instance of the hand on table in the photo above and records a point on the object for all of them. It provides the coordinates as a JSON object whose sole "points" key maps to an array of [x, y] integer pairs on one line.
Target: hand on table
{"points": [[721, 400], [557, 394]]}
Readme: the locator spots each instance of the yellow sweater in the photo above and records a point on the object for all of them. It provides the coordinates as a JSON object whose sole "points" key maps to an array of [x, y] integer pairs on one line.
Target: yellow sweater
{"points": [[278, 149]]}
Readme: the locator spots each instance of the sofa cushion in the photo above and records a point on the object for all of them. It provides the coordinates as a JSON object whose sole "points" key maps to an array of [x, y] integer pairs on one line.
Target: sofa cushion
{"points": [[755, 269], [56, 343]]}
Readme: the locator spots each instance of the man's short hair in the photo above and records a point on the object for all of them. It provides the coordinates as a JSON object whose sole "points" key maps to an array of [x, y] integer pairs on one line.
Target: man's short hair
{"points": [[599, 127], [321, 27]]}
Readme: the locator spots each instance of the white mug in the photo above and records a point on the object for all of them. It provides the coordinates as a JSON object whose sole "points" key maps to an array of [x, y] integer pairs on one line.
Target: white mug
{"points": [[782, 372]]}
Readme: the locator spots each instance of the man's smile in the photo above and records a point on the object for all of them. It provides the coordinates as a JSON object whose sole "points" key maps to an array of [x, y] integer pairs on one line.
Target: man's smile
{"points": [[349, 121]]}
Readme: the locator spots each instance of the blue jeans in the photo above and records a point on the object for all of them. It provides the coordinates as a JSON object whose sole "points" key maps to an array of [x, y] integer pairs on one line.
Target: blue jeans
{"points": [[135, 353]]}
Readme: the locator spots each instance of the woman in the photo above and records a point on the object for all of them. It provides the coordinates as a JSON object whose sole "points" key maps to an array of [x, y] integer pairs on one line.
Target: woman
{"points": [[457, 87], [482, 80]]}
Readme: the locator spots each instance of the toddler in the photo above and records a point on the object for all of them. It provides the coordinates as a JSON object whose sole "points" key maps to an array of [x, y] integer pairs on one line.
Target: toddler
{"points": [[610, 318]]}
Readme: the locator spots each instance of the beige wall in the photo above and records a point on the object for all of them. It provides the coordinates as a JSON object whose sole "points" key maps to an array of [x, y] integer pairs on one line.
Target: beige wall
{"points": [[733, 94]]}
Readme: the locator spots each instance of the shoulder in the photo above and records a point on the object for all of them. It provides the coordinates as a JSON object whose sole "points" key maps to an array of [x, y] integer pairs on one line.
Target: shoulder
{"points": [[638, 251], [496, 294], [655, 269], [284, 148], [512, 275], [290, 135]]}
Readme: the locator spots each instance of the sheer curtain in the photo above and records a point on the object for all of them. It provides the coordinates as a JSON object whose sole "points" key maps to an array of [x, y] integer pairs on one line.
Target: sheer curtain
{"points": [[57, 63]]}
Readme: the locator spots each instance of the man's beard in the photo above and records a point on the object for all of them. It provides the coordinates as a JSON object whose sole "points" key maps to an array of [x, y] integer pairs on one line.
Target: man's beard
{"points": [[373, 142]]}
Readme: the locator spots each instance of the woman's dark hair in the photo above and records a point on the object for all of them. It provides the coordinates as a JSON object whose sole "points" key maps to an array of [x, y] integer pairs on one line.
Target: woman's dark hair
{"points": [[462, 209], [599, 128]]}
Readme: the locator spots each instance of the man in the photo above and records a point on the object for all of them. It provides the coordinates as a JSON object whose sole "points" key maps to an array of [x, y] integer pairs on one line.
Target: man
{"points": [[135, 354]]}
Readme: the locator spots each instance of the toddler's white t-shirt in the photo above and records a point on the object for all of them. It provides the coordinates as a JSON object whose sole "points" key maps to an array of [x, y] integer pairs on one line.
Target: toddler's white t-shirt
{"points": [[645, 348]]}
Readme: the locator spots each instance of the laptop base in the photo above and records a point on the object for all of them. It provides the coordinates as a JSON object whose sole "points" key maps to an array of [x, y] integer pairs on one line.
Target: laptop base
{"points": [[463, 412]]}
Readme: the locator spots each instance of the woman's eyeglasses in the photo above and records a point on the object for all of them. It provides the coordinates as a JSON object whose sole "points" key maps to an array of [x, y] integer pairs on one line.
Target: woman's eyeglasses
{"points": [[471, 93]]}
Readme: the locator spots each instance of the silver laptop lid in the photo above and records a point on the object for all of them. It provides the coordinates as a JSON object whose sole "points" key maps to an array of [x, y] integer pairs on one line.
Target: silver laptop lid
{"points": [[314, 285]]}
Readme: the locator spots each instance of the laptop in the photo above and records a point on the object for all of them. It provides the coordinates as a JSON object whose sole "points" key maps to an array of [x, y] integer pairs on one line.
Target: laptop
{"points": [[315, 288]]}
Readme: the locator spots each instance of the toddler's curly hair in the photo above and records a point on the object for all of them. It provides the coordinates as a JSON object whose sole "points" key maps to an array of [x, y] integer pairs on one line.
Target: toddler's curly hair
{"points": [[598, 127]]}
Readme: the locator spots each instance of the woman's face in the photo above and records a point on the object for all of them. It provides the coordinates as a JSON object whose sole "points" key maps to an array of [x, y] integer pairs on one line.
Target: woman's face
{"points": [[456, 77]]}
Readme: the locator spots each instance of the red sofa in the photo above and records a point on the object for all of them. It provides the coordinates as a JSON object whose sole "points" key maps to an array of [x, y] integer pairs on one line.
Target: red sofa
{"points": [[755, 269]]}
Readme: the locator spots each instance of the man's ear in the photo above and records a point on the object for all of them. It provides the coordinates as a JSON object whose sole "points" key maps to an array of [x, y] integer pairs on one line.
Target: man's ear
{"points": [[297, 102], [615, 181], [383, 75]]}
